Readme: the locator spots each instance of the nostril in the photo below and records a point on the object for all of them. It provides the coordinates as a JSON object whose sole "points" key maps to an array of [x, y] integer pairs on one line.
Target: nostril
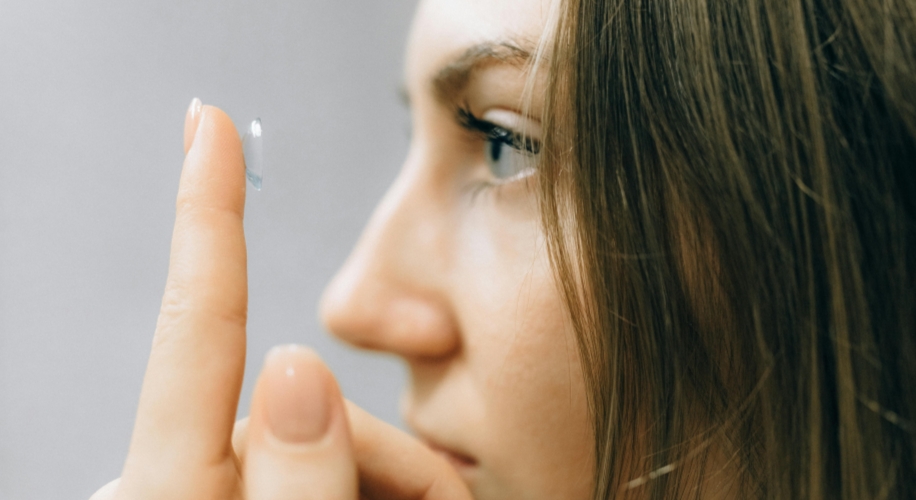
{"points": [[391, 294], [419, 326], [371, 314]]}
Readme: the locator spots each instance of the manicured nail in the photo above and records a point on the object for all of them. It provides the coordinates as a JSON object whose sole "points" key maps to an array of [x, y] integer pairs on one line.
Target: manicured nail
{"points": [[195, 108], [297, 395], [191, 120]]}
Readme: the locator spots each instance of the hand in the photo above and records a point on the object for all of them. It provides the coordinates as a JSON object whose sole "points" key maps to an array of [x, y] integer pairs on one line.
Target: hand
{"points": [[302, 441]]}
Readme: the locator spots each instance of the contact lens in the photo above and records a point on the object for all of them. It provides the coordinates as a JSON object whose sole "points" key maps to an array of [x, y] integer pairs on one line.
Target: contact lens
{"points": [[253, 148]]}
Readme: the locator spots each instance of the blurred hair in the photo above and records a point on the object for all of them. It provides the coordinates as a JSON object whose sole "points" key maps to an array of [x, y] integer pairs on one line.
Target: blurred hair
{"points": [[730, 199]]}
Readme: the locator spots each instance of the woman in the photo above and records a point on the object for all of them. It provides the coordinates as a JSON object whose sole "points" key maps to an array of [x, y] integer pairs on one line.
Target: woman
{"points": [[637, 249]]}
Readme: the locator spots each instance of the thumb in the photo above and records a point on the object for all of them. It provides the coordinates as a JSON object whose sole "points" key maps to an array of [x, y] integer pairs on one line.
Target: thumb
{"points": [[299, 445]]}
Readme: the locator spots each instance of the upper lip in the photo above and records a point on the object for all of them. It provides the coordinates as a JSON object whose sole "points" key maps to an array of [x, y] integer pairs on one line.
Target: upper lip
{"points": [[440, 442], [454, 456], [453, 453]]}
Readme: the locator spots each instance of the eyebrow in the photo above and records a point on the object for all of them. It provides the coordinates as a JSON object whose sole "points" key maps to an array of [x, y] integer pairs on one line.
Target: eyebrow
{"points": [[450, 82]]}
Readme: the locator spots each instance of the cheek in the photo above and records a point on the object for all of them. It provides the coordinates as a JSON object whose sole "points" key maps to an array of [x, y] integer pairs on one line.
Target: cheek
{"points": [[522, 357]]}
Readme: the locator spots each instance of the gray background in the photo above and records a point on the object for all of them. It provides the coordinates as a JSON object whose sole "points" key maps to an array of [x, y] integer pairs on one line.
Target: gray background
{"points": [[92, 102]]}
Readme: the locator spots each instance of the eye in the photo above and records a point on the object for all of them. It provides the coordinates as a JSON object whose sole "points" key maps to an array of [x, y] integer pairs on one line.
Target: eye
{"points": [[509, 154]]}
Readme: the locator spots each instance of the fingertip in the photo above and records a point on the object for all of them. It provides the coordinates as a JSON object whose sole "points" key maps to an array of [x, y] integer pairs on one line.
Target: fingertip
{"points": [[301, 397], [298, 354], [393, 464], [214, 129], [213, 175], [298, 437]]}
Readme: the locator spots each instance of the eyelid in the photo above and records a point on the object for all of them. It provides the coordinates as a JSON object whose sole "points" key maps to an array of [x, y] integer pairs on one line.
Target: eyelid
{"points": [[506, 131], [513, 121], [507, 127]]}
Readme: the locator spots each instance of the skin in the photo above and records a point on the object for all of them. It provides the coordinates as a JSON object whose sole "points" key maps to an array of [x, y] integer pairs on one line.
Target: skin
{"points": [[302, 441], [457, 282], [451, 274]]}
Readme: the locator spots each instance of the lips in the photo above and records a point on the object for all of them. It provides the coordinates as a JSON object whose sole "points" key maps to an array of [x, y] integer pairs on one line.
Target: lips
{"points": [[442, 443], [460, 461]]}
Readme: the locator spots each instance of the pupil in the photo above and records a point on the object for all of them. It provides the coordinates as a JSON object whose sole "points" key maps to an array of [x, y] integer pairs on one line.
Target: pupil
{"points": [[496, 148]]}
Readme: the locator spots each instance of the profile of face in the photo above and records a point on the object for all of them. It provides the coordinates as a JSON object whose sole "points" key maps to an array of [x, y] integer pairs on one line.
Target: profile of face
{"points": [[452, 272]]}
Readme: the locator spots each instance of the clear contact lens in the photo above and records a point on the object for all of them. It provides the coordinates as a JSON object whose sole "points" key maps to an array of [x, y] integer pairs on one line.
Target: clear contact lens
{"points": [[253, 148]]}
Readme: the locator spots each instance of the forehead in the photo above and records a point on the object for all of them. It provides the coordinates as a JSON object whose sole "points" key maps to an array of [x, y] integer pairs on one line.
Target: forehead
{"points": [[445, 29]]}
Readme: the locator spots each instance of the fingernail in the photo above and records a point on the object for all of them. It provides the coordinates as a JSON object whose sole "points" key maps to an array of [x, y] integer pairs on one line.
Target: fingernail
{"points": [[191, 120], [298, 404], [195, 108]]}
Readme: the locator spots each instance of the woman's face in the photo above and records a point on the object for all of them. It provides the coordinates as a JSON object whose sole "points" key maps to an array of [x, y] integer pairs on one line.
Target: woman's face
{"points": [[452, 272]]}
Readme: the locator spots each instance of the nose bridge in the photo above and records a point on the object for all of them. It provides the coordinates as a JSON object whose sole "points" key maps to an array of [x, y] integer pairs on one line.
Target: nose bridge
{"points": [[392, 293], [406, 236]]}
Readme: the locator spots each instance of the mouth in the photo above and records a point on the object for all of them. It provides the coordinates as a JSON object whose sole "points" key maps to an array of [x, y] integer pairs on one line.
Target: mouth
{"points": [[463, 463]]}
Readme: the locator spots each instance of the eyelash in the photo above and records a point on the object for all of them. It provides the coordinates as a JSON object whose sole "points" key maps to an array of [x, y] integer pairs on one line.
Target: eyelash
{"points": [[493, 132]]}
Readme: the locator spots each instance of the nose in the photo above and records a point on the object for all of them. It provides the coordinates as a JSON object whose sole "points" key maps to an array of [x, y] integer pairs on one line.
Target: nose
{"points": [[392, 293]]}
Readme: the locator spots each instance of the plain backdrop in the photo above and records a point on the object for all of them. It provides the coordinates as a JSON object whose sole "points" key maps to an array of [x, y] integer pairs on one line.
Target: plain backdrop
{"points": [[92, 101]]}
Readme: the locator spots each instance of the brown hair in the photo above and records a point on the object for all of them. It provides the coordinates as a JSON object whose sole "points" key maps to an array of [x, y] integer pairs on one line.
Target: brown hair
{"points": [[731, 207]]}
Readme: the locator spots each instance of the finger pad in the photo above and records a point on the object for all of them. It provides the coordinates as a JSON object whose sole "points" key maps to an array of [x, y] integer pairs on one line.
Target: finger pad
{"points": [[213, 176]]}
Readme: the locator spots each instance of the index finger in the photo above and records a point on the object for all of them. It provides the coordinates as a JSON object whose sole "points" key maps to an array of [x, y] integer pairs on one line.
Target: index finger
{"points": [[191, 388], [393, 464]]}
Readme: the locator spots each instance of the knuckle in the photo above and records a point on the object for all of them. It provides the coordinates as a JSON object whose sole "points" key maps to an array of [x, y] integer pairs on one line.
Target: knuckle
{"points": [[185, 306]]}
